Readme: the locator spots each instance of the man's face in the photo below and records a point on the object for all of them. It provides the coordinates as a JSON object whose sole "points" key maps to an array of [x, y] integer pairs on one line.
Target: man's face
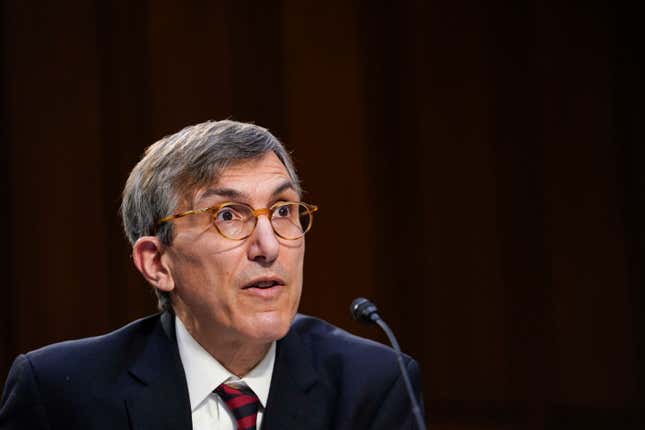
{"points": [[241, 290]]}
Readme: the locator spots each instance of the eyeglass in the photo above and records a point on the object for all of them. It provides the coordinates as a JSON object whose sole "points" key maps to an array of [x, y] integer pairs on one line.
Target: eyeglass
{"points": [[237, 221]]}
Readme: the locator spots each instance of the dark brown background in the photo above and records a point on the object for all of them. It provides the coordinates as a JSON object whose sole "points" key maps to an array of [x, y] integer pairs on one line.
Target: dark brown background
{"points": [[490, 157]]}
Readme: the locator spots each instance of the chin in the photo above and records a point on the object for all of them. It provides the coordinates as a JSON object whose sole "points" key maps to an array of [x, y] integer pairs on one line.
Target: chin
{"points": [[267, 327]]}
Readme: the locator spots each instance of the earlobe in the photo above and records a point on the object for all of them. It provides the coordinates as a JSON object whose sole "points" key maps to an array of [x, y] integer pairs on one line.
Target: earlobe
{"points": [[146, 253]]}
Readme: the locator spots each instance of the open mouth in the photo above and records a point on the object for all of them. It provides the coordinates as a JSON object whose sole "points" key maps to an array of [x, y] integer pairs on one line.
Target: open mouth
{"points": [[264, 284]]}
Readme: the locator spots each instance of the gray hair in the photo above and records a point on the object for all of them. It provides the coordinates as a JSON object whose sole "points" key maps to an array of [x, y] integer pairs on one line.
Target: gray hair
{"points": [[175, 167]]}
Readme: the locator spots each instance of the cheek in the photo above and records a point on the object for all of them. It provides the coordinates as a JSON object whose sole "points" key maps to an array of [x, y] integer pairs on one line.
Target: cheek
{"points": [[203, 276], [296, 266], [291, 259]]}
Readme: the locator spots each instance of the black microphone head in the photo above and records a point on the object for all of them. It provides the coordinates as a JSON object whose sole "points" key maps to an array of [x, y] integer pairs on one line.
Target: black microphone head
{"points": [[364, 310]]}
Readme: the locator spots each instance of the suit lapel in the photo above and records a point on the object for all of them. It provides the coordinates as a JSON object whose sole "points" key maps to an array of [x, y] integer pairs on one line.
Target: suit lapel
{"points": [[158, 395], [158, 398], [296, 398]]}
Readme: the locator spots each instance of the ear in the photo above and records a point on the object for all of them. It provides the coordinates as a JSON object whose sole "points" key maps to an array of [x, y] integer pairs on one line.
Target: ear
{"points": [[146, 253]]}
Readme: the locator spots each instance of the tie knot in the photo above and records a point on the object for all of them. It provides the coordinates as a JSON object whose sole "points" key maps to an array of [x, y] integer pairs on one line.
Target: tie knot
{"points": [[242, 402]]}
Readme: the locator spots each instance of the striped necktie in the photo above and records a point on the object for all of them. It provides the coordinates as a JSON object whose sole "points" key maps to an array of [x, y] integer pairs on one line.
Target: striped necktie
{"points": [[242, 402]]}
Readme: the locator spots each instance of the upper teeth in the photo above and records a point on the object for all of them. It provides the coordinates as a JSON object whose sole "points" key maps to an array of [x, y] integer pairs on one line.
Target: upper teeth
{"points": [[265, 284]]}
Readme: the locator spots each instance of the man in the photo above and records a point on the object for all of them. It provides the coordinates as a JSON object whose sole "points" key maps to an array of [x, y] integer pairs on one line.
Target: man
{"points": [[217, 227]]}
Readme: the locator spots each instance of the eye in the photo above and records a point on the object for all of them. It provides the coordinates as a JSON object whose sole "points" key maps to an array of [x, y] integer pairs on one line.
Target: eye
{"points": [[282, 211], [227, 214]]}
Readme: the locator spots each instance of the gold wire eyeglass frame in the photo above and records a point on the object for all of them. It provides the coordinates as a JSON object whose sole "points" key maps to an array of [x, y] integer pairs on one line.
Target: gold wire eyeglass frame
{"points": [[214, 210]]}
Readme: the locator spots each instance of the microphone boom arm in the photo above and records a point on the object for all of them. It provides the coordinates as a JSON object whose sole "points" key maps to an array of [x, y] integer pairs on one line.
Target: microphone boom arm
{"points": [[364, 310]]}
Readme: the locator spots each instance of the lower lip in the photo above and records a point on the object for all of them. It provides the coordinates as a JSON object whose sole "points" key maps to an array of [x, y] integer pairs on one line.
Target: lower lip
{"points": [[264, 293]]}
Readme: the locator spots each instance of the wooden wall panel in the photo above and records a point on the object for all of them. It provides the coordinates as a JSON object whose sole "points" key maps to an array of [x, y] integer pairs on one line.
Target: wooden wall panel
{"points": [[325, 127], [56, 176], [488, 155], [257, 70], [387, 37], [190, 64], [458, 189], [7, 332], [627, 57], [520, 160], [583, 226], [125, 130]]}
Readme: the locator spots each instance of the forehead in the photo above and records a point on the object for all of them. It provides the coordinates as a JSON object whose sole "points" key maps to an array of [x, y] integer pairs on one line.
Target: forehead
{"points": [[249, 179], [249, 170]]}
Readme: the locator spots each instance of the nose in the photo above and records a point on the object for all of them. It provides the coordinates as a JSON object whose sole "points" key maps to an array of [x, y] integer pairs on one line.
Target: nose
{"points": [[264, 246]]}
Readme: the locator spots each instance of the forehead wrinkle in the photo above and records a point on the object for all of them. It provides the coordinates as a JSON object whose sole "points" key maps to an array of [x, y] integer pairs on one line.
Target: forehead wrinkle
{"points": [[233, 194], [286, 185], [229, 193], [222, 192]]}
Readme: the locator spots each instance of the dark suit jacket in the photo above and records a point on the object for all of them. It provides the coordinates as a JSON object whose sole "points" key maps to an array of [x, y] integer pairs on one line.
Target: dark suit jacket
{"points": [[324, 378]]}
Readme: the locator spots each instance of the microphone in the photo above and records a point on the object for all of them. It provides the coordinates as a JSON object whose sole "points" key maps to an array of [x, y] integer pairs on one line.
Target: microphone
{"points": [[363, 310]]}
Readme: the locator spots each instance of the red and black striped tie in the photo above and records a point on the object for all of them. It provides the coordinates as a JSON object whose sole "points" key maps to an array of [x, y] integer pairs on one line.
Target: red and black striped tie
{"points": [[242, 402]]}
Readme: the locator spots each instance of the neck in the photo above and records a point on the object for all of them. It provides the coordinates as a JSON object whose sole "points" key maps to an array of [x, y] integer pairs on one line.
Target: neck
{"points": [[235, 355], [238, 359]]}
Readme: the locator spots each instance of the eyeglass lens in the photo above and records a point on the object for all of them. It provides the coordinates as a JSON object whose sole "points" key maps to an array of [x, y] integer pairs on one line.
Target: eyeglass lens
{"points": [[289, 221]]}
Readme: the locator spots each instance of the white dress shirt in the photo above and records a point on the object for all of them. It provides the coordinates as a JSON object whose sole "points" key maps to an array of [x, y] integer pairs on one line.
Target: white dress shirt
{"points": [[204, 373]]}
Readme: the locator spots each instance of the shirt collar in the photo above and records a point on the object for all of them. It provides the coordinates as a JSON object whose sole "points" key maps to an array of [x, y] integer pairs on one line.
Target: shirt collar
{"points": [[204, 373]]}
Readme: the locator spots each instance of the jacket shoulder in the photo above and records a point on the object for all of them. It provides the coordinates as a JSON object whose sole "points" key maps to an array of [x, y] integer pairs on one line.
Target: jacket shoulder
{"points": [[360, 378], [79, 383], [332, 346], [93, 355]]}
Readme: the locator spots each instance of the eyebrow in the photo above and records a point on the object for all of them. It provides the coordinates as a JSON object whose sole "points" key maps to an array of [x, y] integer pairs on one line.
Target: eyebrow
{"points": [[234, 194]]}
